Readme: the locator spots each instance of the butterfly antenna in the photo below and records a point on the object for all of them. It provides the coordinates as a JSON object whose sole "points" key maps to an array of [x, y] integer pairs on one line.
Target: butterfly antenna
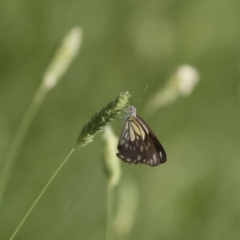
{"points": [[142, 95], [131, 101]]}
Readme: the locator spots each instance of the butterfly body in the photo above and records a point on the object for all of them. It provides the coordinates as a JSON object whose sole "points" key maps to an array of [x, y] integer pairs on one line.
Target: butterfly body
{"points": [[138, 143]]}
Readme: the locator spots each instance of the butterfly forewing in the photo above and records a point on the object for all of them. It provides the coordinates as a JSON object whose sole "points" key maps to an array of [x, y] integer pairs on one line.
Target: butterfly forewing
{"points": [[130, 144], [138, 144]]}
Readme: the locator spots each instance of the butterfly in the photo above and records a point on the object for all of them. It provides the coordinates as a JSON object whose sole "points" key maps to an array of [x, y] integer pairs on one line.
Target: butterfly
{"points": [[138, 143]]}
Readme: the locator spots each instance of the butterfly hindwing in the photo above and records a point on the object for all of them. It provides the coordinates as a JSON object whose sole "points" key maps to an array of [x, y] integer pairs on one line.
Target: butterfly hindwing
{"points": [[159, 150], [138, 144]]}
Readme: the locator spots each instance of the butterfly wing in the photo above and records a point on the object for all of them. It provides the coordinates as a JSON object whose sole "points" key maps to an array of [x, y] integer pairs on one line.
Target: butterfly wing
{"points": [[154, 150], [128, 149], [138, 144]]}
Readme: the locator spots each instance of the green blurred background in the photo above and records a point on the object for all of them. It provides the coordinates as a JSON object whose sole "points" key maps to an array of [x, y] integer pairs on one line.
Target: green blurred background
{"points": [[126, 45]]}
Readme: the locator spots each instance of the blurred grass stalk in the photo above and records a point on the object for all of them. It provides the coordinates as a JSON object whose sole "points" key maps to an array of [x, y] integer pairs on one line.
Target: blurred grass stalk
{"points": [[112, 171], [128, 194], [127, 208], [181, 83], [58, 66], [93, 127]]}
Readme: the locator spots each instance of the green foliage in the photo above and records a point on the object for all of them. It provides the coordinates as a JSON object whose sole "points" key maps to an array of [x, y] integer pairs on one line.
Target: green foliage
{"points": [[126, 46]]}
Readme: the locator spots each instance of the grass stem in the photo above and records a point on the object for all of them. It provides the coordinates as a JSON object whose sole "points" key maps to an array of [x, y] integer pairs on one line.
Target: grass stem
{"points": [[109, 212], [40, 195], [9, 162]]}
